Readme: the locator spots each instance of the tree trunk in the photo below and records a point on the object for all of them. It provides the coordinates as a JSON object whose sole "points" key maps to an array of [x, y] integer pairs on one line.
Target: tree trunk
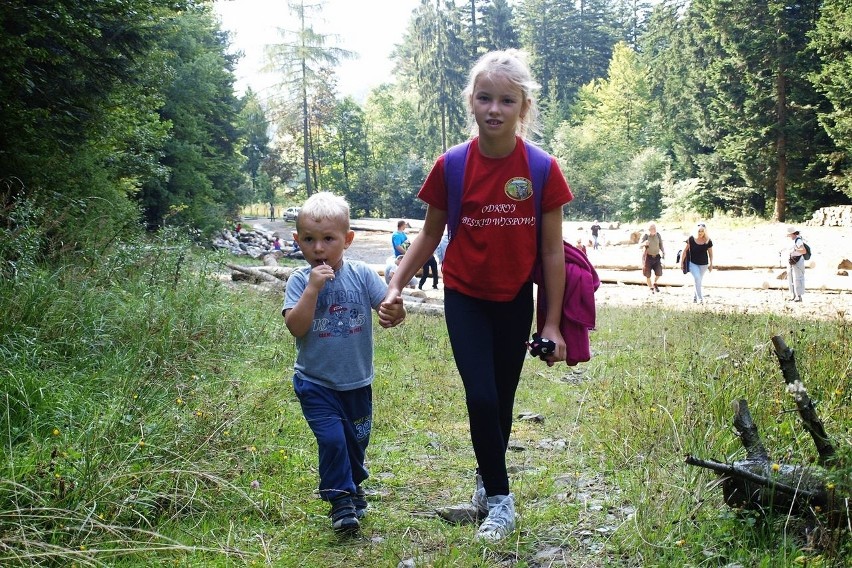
{"points": [[781, 139]]}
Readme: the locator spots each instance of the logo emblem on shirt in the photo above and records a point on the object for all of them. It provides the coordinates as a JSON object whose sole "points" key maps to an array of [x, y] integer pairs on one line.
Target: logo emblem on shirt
{"points": [[518, 188]]}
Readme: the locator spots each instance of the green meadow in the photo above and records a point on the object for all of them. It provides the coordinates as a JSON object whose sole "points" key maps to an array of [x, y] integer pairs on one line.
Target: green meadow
{"points": [[148, 419]]}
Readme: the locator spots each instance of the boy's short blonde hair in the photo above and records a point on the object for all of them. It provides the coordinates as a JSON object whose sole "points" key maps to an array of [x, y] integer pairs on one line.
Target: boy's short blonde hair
{"points": [[325, 205]]}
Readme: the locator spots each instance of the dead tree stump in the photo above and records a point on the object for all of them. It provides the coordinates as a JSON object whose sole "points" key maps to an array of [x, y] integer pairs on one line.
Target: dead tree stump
{"points": [[759, 483]]}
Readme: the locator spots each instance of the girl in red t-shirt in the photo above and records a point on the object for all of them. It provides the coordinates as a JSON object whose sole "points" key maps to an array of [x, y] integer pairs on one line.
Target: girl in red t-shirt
{"points": [[488, 266]]}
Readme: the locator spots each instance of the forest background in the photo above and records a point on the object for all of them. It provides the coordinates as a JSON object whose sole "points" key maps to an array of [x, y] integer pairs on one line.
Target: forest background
{"points": [[115, 112]]}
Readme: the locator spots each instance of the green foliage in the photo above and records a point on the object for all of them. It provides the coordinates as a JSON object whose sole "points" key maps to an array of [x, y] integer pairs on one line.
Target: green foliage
{"points": [[254, 126], [202, 188], [496, 27], [601, 146], [303, 60], [830, 41], [639, 192], [440, 60], [404, 181], [106, 401], [21, 233], [735, 104]]}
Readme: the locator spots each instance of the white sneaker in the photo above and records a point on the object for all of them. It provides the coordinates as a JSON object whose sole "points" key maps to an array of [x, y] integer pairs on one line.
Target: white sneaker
{"points": [[501, 518]]}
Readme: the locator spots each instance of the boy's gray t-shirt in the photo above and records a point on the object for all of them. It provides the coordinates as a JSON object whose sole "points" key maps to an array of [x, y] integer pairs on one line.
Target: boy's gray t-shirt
{"points": [[337, 352]]}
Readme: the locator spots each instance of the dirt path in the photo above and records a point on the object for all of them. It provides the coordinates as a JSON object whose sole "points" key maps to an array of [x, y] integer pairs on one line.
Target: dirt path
{"points": [[754, 290]]}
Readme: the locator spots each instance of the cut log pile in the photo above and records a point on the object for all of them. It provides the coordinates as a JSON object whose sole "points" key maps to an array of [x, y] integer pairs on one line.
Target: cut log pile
{"points": [[759, 483], [838, 216], [255, 243]]}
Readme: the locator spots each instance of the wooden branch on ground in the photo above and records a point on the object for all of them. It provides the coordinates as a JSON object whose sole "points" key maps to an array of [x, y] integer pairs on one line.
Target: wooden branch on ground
{"points": [[807, 411], [742, 470], [747, 431]]}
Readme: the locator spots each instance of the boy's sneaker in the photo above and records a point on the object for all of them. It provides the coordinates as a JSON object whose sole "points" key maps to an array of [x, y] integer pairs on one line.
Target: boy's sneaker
{"points": [[343, 517], [360, 502], [501, 518]]}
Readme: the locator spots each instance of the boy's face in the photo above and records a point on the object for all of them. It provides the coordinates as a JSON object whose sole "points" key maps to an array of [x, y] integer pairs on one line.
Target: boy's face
{"points": [[323, 241]]}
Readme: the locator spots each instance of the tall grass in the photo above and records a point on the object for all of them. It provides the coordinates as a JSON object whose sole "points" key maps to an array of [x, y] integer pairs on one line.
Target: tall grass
{"points": [[112, 401], [149, 418]]}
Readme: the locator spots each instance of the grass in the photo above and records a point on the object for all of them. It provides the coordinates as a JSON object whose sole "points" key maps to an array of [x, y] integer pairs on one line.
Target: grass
{"points": [[149, 419]]}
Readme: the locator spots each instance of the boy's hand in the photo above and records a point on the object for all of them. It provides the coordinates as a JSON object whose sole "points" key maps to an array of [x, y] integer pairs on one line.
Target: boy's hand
{"points": [[320, 274]]}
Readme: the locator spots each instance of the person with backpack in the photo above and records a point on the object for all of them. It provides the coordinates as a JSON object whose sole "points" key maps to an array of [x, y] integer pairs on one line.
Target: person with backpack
{"points": [[653, 253], [796, 273], [489, 262]]}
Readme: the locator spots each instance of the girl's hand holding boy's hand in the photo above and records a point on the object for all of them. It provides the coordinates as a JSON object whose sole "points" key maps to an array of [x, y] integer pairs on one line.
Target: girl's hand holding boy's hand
{"points": [[391, 311]]}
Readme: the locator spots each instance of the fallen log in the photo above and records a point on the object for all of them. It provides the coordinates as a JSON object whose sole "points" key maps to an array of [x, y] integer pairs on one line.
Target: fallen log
{"points": [[255, 276], [759, 483]]}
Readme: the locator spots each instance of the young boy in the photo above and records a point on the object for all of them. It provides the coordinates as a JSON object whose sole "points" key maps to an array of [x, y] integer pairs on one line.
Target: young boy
{"points": [[327, 309]]}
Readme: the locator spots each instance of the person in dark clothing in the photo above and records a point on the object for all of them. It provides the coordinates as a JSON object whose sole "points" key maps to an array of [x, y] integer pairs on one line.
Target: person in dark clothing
{"points": [[430, 266]]}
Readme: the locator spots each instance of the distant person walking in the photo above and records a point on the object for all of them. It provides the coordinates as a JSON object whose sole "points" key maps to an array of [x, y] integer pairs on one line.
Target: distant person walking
{"points": [[699, 246], [596, 229], [796, 260], [652, 256], [430, 267], [399, 240]]}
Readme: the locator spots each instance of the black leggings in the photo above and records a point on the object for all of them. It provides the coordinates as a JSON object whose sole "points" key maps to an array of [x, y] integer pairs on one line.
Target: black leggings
{"points": [[489, 346], [432, 265]]}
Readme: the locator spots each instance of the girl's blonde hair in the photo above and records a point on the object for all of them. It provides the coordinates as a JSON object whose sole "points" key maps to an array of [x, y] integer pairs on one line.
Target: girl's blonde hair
{"points": [[512, 65], [325, 205]]}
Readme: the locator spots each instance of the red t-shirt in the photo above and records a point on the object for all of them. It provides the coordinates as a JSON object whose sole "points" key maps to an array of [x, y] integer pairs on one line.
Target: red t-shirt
{"points": [[494, 249]]}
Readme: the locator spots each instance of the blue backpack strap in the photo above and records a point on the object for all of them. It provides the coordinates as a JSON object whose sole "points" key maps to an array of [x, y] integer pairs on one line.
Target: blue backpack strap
{"points": [[455, 161], [539, 163]]}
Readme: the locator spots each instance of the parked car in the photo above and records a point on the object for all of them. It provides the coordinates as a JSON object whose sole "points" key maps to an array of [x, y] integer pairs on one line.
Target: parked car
{"points": [[290, 213]]}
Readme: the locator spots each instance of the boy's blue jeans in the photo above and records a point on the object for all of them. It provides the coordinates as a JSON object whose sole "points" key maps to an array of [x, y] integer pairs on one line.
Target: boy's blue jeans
{"points": [[341, 422]]}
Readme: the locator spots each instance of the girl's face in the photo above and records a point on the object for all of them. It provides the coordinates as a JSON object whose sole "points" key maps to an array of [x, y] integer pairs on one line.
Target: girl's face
{"points": [[323, 241], [498, 106]]}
